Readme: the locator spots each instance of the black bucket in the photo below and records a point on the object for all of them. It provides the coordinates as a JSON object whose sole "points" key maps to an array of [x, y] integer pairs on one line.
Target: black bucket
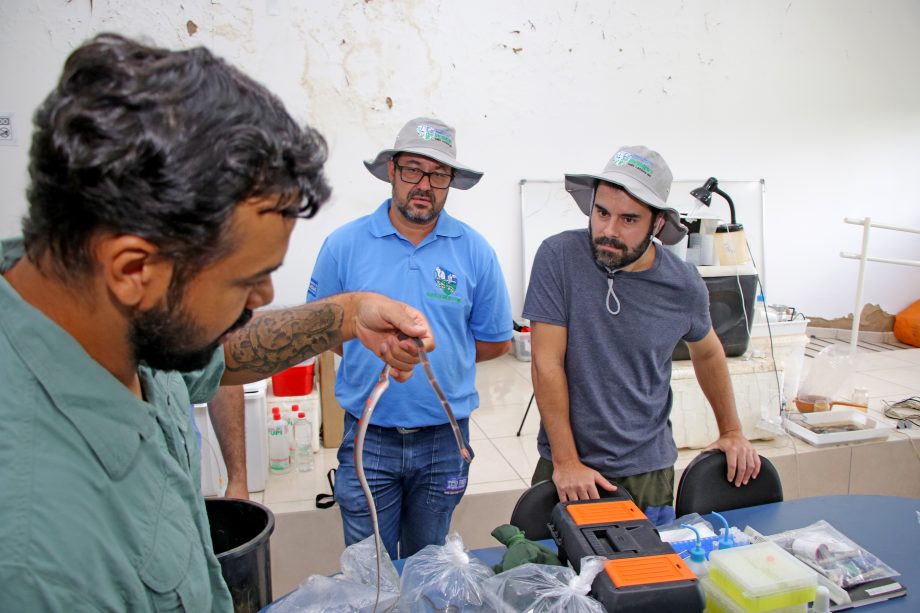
{"points": [[240, 531]]}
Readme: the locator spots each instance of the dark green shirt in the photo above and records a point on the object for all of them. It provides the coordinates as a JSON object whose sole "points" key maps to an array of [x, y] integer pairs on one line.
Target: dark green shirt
{"points": [[100, 501]]}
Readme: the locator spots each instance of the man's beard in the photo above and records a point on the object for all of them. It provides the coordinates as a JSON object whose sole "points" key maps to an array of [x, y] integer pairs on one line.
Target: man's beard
{"points": [[420, 218], [160, 338], [614, 261]]}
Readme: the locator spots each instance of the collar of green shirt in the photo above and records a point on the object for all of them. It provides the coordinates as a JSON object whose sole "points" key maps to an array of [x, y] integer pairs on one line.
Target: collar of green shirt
{"points": [[108, 416]]}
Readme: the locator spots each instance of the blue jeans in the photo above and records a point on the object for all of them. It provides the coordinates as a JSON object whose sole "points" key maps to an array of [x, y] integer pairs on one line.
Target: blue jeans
{"points": [[416, 479]]}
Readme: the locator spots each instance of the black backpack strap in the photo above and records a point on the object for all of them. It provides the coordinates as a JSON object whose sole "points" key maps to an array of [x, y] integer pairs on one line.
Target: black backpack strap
{"points": [[324, 501]]}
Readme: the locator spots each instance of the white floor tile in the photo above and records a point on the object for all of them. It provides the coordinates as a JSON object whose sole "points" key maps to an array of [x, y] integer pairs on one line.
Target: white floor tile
{"points": [[520, 452], [495, 486], [489, 465], [504, 420]]}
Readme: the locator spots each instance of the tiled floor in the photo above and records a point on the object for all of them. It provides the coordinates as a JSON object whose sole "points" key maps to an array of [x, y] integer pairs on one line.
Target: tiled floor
{"points": [[505, 461]]}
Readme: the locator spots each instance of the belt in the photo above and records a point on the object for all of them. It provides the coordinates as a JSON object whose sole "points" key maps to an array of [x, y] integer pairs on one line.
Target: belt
{"points": [[402, 430]]}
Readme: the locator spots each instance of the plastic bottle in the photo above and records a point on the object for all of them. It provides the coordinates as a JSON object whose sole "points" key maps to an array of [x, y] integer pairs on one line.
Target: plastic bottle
{"points": [[292, 420], [279, 453], [697, 562], [303, 434], [822, 600], [762, 313]]}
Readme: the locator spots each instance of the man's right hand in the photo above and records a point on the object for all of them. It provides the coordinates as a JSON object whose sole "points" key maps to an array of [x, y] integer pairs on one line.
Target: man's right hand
{"points": [[575, 481], [379, 321]]}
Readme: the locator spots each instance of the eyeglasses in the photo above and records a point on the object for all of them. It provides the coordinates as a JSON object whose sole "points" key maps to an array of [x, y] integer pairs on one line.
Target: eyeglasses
{"points": [[410, 174]]}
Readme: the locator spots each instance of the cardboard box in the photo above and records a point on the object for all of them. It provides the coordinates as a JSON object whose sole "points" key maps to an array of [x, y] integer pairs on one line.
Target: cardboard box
{"points": [[333, 420]]}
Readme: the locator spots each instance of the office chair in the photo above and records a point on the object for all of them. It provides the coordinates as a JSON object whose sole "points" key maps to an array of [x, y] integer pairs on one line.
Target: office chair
{"points": [[703, 488], [534, 509]]}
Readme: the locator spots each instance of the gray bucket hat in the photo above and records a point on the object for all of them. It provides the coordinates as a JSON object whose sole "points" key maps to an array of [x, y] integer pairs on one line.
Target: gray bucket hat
{"points": [[644, 174], [433, 139]]}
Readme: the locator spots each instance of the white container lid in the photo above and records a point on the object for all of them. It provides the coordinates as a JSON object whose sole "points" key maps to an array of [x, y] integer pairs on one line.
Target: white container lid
{"points": [[255, 387], [762, 569]]}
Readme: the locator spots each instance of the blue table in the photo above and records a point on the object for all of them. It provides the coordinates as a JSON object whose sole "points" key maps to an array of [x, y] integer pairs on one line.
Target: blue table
{"points": [[887, 526]]}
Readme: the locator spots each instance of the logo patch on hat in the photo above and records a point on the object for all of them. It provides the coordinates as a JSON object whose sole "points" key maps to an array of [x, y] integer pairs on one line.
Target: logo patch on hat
{"points": [[625, 158], [431, 133]]}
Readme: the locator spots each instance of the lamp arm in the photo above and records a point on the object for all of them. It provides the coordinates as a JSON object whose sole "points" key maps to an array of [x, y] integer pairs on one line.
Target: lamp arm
{"points": [[731, 205]]}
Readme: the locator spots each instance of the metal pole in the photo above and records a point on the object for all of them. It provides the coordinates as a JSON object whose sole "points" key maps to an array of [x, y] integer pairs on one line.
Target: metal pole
{"points": [[857, 311]]}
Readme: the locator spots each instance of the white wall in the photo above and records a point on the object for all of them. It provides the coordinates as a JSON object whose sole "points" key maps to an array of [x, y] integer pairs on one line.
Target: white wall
{"points": [[820, 98]]}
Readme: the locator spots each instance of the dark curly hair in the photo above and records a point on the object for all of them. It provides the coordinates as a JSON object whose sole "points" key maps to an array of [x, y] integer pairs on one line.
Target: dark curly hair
{"points": [[163, 145]]}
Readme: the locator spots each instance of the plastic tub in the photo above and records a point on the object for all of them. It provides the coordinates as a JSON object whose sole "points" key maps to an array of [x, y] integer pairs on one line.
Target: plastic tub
{"points": [[240, 532], [295, 381], [762, 577]]}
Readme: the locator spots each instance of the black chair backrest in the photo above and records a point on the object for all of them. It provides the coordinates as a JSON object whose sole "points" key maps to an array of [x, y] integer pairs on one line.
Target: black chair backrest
{"points": [[703, 487], [533, 510]]}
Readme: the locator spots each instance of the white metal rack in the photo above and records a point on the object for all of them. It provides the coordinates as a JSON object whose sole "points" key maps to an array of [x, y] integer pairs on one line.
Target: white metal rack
{"points": [[863, 257]]}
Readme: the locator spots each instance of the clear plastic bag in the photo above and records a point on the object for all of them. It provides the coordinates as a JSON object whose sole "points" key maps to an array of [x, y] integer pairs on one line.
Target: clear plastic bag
{"points": [[830, 372], [832, 554], [359, 564], [352, 591], [322, 594], [444, 578], [538, 588]]}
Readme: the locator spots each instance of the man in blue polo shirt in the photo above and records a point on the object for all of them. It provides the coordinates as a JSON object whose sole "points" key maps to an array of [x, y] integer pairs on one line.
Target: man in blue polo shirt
{"points": [[410, 249]]}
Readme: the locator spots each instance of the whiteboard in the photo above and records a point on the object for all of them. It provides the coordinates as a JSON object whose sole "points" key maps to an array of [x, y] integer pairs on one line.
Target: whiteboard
{"points": [[547, 209]]}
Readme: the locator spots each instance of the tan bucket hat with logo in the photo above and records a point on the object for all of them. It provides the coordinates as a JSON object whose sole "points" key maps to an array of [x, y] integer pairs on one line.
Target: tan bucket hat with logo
{"points": [[432, 138], [644, 174]]}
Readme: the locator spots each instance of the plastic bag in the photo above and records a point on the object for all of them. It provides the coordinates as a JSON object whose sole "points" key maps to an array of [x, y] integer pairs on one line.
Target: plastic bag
{"points": [[444, 578], [829, 372], [538, 588], [359, 564], [322, 594], [352, 591], [832, 554]]}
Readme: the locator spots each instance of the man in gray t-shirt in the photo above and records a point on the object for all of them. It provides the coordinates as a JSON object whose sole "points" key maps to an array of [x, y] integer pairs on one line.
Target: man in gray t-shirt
{"points": [[607, 308]]}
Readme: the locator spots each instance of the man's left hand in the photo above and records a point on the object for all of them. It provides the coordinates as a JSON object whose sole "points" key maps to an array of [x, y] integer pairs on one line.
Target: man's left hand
{"points": [[743, 459]]}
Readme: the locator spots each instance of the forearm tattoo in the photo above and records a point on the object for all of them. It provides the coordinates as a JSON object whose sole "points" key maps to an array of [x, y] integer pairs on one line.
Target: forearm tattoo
{"points": [[279, 339]]}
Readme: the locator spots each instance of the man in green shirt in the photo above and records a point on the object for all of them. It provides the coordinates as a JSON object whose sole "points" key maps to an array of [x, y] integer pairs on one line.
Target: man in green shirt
{"points": [[165, 186]]}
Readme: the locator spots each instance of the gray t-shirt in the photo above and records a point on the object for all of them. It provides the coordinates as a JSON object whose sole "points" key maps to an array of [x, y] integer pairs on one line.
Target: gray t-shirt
{"points": [[618, 366]]}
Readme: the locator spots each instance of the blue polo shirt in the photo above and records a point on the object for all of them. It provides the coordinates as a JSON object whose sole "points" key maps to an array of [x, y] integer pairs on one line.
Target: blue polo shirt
{"points": [[453, 277]]}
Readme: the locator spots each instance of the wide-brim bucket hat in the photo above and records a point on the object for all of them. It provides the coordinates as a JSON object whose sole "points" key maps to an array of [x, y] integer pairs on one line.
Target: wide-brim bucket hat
{"points": [[433, 139], [644, 174]]}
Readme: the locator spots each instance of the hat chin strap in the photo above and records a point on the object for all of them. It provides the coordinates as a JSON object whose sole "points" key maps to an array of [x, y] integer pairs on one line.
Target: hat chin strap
{"points": [[613, 271]]}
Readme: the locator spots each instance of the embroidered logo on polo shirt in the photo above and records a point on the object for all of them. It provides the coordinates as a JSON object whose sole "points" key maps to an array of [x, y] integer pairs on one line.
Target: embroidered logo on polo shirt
{"points": [[446, 281]]}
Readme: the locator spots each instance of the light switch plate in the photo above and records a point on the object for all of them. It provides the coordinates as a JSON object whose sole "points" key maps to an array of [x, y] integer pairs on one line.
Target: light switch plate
{"points": [[7, 129]]}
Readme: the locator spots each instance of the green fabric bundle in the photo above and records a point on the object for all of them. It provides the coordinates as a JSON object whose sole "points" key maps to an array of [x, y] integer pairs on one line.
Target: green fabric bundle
{"points": [[520, 550]]}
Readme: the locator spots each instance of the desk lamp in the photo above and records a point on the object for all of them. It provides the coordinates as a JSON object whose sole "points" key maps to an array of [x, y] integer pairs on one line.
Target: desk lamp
{"points": [[704, 195], [734, 253]]}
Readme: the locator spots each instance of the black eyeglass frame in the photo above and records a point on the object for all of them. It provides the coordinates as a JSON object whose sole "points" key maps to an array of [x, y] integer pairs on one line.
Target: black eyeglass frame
{"points": [[422, 175]]}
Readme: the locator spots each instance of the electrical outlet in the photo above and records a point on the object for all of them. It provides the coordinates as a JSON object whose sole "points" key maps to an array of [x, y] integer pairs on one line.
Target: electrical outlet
{"points": [[7, 130]]}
